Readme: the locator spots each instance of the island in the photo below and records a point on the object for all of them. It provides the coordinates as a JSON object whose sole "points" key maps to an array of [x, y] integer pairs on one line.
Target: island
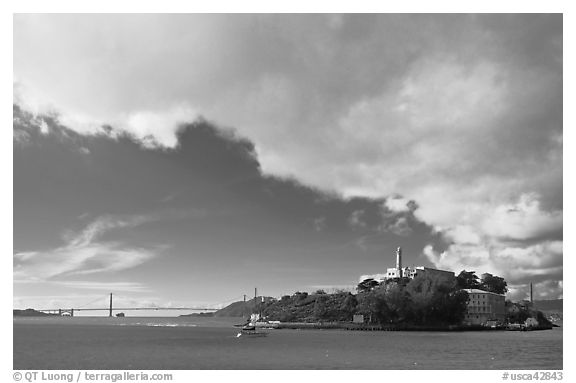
{"points": [[31, 313], [424, 302]]}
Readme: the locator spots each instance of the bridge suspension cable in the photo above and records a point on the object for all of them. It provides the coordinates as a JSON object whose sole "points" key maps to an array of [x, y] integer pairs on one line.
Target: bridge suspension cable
{"points": [[95, 300]]}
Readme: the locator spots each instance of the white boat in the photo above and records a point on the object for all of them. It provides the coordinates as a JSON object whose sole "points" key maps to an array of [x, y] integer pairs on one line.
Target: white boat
{"points": [[250, 331], [249, 328]]}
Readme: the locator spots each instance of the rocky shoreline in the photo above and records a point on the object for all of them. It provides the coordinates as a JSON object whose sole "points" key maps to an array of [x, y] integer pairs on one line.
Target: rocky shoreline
{"points": [[371, 327]]}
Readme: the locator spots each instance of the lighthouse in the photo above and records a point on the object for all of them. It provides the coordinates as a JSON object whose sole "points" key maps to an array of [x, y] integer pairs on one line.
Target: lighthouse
{"points": [[399, 262], [393, 273]]}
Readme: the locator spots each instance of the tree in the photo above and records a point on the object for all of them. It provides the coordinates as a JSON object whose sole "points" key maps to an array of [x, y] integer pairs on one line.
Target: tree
{"points": [[320, 307], [348, 307], [398, 304], [516, 312], [436, 300], [367, 285], [367, 304], [493, 284], [301, 295], [455, 307], [467, 280]]}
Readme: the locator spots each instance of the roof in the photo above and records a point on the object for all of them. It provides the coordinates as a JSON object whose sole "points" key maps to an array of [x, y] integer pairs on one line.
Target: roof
{"points": [[478, 291]]}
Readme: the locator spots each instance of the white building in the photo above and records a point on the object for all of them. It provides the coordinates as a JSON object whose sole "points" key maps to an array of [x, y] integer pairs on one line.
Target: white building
{"points": [[406, 272]]}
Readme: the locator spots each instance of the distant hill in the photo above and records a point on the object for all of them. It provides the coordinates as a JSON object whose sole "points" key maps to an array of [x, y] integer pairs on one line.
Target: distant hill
{"points": [[205, 315], [549, 305], [30, 313], [236, 309]]}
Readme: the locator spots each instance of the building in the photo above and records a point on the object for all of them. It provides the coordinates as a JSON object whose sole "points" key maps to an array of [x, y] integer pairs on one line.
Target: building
{"points": [[406, 272], [422, 270], [484, 306]]}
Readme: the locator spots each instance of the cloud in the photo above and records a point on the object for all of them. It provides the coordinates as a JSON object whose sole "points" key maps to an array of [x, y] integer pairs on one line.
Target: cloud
{"points": [[522, 220], [158, 129], [397, 204], [319, 223], [400, 227], [83, 254], [461, 114], [543, 290], [133, 287], [356, 219], [518, 265]]}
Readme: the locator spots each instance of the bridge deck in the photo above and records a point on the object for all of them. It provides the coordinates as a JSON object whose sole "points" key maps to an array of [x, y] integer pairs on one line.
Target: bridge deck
{"points": [[134, 308]]}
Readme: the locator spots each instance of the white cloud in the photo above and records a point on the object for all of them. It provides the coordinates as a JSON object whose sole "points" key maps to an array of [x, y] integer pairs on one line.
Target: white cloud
{"points": [[515, 264], [522, 220], [105, 286], [463, 234], [158, 128], [517, 241], [90, 285], [83, 254], [543, 290], [397, 204]]}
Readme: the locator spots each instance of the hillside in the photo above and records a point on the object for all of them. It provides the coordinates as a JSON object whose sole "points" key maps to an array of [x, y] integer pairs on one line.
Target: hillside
{"points": [[30, 313], [238, 309], [549, 305]]}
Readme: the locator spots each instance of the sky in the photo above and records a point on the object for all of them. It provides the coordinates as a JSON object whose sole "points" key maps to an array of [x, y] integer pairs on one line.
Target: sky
{"points": [[182, 160]]}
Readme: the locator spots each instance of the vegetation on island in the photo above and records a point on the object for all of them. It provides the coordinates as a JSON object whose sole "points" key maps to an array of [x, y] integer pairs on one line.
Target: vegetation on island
{"points": [[518, 312], [304, 307], [423, 300], [487, 282], [426, 300]]}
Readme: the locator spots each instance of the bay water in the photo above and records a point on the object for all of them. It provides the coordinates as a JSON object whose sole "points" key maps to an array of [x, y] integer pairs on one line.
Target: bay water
{"points": [[199, 343]]}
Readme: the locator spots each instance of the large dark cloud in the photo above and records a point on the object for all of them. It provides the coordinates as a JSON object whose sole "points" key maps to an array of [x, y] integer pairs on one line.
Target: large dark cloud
{"points": [[207, 192]]}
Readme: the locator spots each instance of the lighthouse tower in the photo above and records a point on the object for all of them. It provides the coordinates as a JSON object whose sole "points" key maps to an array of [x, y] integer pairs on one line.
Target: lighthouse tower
{"points": [[399, 262]]}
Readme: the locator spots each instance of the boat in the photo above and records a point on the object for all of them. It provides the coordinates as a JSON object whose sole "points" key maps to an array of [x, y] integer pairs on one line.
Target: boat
{"points": [[248, 329]]}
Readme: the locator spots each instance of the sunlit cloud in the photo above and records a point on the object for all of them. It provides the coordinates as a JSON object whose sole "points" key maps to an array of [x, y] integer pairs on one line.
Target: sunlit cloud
{"points": [[83, 254]]}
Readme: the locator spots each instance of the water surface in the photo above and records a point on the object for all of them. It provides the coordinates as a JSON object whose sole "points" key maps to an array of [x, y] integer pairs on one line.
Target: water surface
{"points": [[189, 343]]}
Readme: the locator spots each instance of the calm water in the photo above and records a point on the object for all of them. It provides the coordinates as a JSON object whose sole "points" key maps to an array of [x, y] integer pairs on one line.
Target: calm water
{"points": [[210, 343]]}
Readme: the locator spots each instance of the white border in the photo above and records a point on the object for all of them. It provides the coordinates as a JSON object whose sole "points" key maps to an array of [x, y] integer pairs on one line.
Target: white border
{"points": [[299, 6]]}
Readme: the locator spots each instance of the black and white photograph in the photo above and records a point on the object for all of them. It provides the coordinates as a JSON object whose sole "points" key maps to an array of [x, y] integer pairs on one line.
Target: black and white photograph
{"points": [[287, 191]]}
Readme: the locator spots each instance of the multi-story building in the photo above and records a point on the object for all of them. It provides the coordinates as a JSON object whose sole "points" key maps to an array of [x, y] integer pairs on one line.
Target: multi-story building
{"points": [[422, 270], [484, 306]]}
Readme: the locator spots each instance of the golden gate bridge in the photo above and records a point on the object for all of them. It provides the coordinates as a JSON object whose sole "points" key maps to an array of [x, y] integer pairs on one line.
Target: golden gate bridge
{"points": [[110, 309]]}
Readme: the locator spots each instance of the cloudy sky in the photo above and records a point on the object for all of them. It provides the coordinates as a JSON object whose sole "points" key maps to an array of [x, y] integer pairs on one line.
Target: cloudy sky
{"points": [[186, 159]]}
